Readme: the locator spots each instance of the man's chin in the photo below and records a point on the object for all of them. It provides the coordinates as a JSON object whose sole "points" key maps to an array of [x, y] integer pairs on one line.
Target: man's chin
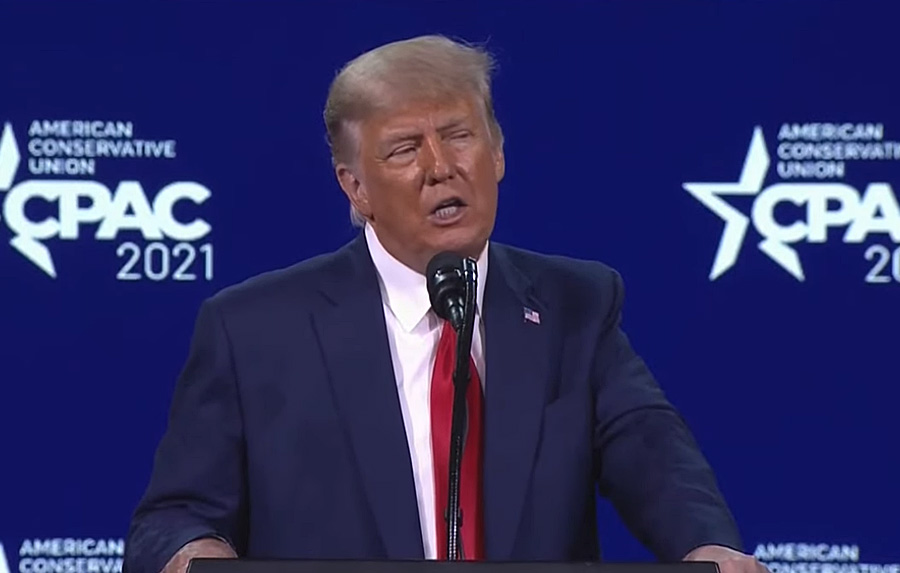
{"points": [[463, 242]]}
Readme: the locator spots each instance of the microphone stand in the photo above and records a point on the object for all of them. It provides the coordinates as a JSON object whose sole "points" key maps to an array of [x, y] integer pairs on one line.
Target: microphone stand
{"points": [[459, 423]]}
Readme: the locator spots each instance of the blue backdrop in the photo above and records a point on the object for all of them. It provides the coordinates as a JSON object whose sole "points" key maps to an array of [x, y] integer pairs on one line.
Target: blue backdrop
{"points": [[153, 153]]}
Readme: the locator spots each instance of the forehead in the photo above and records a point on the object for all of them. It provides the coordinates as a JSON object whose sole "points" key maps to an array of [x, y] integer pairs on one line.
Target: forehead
{"points": [[397, 115]]}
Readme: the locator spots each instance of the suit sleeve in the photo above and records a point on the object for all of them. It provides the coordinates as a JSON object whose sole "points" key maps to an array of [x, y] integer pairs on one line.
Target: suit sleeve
{"points": [[197, 485], [649, 465]]}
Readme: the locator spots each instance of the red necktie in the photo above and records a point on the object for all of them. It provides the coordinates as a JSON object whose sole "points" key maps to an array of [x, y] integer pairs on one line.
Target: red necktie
{"points": [[470, 495]]}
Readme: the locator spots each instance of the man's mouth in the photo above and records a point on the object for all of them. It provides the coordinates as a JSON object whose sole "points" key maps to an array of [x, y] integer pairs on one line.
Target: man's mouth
{"points": [[448, 209]]}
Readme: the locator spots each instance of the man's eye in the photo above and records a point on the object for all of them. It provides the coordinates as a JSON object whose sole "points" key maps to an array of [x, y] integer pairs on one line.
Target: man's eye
{"points": [[406, 149], [461, 134]]}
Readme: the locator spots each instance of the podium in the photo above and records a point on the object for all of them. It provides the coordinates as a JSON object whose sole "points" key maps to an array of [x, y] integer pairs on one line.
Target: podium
{"points": [[351, 566]]}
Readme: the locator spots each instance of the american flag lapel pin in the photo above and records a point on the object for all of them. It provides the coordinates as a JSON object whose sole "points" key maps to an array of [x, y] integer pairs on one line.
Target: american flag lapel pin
{"points": [[532, 315]]}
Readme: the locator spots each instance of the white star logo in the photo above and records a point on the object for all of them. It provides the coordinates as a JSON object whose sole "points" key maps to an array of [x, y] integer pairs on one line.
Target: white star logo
{"points": [[32, 249], [4, 566], [9, 157], [756, 164]]}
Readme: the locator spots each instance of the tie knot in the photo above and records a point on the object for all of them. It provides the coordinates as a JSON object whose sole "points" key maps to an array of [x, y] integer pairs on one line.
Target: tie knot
{"points": [[447, 329]]}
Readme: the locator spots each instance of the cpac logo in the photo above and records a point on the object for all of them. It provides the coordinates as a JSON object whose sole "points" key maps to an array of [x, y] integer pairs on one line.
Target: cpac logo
{"points": [[827, 205], [82, 202]]}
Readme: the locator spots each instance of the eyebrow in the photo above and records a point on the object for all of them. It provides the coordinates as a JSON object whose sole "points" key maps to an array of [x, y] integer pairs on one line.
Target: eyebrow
{"points": [[414, 135], [403, 135], [452, 124]]}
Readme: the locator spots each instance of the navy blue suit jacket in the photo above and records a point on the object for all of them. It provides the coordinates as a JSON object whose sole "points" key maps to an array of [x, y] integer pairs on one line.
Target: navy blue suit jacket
{"points": [[285, 434]]}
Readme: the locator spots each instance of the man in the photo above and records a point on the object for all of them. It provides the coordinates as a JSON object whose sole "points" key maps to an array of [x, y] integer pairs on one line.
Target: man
{"points": [[311, 418]]}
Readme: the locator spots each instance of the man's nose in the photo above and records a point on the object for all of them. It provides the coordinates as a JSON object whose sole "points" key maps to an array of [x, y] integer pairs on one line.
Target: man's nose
{"points": [[439, 161]]}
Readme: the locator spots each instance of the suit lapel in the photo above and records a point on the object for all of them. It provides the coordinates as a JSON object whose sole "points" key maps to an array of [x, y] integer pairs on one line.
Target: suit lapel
{"points": [[517, 362], [354, 343]]}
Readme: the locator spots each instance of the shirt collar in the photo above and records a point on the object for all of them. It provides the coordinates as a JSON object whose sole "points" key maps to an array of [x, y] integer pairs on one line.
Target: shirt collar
{"points": [[404, 290]]}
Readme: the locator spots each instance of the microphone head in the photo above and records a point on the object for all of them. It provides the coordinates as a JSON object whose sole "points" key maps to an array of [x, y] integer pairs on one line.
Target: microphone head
{"points": [[446, 282]]}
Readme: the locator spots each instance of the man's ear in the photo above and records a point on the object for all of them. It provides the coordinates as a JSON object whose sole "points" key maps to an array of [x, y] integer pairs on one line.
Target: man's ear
{"points": [[353, 189], [499, 163]]}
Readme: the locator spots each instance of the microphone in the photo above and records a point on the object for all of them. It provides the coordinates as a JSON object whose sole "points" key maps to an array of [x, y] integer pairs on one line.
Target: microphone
{"points": [[445, 276], [452, 282]]}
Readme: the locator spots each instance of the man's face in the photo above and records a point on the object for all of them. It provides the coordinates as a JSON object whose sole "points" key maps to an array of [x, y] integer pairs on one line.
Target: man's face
{"points": [[426, 177]]}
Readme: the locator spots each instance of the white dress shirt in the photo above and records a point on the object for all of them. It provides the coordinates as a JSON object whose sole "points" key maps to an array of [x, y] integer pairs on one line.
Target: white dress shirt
{"points": [[413, 333]]}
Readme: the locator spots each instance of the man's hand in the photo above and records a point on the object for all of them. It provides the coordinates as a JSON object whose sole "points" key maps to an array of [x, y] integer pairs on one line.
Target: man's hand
{"points": [[729, 560], [201, 548]]}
